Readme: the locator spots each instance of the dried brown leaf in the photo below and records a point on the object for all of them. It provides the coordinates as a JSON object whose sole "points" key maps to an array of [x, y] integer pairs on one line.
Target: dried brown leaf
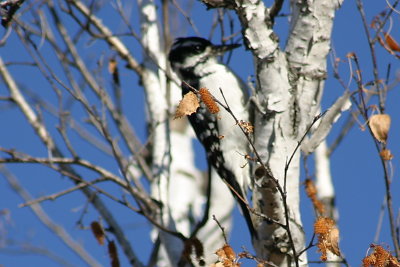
{"points": [[393, 262], [380, 257], [391, 43], [311, 192], [229, 252], [98, 232], [386, 154], [113, 69], [112, 66], [188, 105], [247, 127], [227, 256], [384, 45], [323, 225], [334, 241], [113, 252], [319, 206], [380, 125], [369, 260], [328, 237]]}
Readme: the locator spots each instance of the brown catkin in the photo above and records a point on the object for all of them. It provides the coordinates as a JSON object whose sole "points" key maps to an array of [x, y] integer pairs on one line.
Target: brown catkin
{"points": [[208, 100]]}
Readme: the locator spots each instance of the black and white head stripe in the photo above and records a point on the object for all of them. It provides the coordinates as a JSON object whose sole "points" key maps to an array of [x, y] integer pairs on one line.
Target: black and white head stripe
{"points": [[185, 47]]}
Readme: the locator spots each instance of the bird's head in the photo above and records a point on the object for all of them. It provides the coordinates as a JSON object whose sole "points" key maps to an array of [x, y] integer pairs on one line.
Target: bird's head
{"points": [[191, 52]]}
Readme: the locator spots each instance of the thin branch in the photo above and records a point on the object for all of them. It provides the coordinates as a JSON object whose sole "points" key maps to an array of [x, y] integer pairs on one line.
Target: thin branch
{"points": [[260, 262], [371, 44], [58, 230], [45, 137], [221, 227], [275, 9], [54, 196], [187, 17], [17, 157], [122, 123], [82, 184], [383, 22], [364, 112], [323, 128], [26, 248], [101, 126], [108, 36], [138, 194]]}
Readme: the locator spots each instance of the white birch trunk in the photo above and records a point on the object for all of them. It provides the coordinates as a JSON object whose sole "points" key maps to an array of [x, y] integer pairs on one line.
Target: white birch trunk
{"points": [[154, 83], [179, 186], [326, 190], [289, 88]]}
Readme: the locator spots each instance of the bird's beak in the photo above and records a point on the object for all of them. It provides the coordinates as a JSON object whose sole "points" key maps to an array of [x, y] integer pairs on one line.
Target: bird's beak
{"points": [[219, 50]]}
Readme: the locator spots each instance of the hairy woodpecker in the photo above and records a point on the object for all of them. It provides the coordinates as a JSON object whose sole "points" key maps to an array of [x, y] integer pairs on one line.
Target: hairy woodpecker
{"points": [[195, 60]]}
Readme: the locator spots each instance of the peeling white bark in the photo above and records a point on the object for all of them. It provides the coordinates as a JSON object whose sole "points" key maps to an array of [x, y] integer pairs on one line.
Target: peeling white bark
{"points": [[326, 190], [289, 88], [323, 175], [179, 185], [154, 84], [322, 130], [307, 48]]}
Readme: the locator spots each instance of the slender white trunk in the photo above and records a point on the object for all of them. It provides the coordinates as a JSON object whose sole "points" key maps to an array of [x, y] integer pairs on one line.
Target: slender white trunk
{"points": [[154, 83], [289, 90]]}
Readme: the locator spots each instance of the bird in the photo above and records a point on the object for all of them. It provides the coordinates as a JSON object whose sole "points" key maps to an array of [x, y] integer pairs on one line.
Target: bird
{"points": [[195, 61]]}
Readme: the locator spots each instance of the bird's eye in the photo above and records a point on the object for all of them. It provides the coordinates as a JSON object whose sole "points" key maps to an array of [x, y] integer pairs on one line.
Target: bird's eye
{"points": [[198, 48]]}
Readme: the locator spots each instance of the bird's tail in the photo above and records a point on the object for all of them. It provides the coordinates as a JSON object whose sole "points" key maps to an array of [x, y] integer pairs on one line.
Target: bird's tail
{"points": [[229, 178]]}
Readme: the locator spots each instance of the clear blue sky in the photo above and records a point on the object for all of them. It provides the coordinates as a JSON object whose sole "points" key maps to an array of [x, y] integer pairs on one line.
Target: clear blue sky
{"points": [[355, 165]]}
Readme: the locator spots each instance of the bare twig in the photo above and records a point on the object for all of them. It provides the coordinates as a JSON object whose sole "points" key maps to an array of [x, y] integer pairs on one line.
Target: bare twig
{"points": [[54, 196], [310, 245], [48, 141], [187, 17], [47, 221], [24, 248], [321, 130], [122, 123], [221, 227], [108, 36], [364, 112], [383, 22], [371, 44]]}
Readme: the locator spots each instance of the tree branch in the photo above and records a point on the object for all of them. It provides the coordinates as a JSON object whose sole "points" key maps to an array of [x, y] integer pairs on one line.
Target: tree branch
{"points": [[54, 150], [58, 230]]}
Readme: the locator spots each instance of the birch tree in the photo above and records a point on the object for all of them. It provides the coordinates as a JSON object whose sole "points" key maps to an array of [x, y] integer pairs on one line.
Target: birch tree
{"points": [[79, 102]]}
